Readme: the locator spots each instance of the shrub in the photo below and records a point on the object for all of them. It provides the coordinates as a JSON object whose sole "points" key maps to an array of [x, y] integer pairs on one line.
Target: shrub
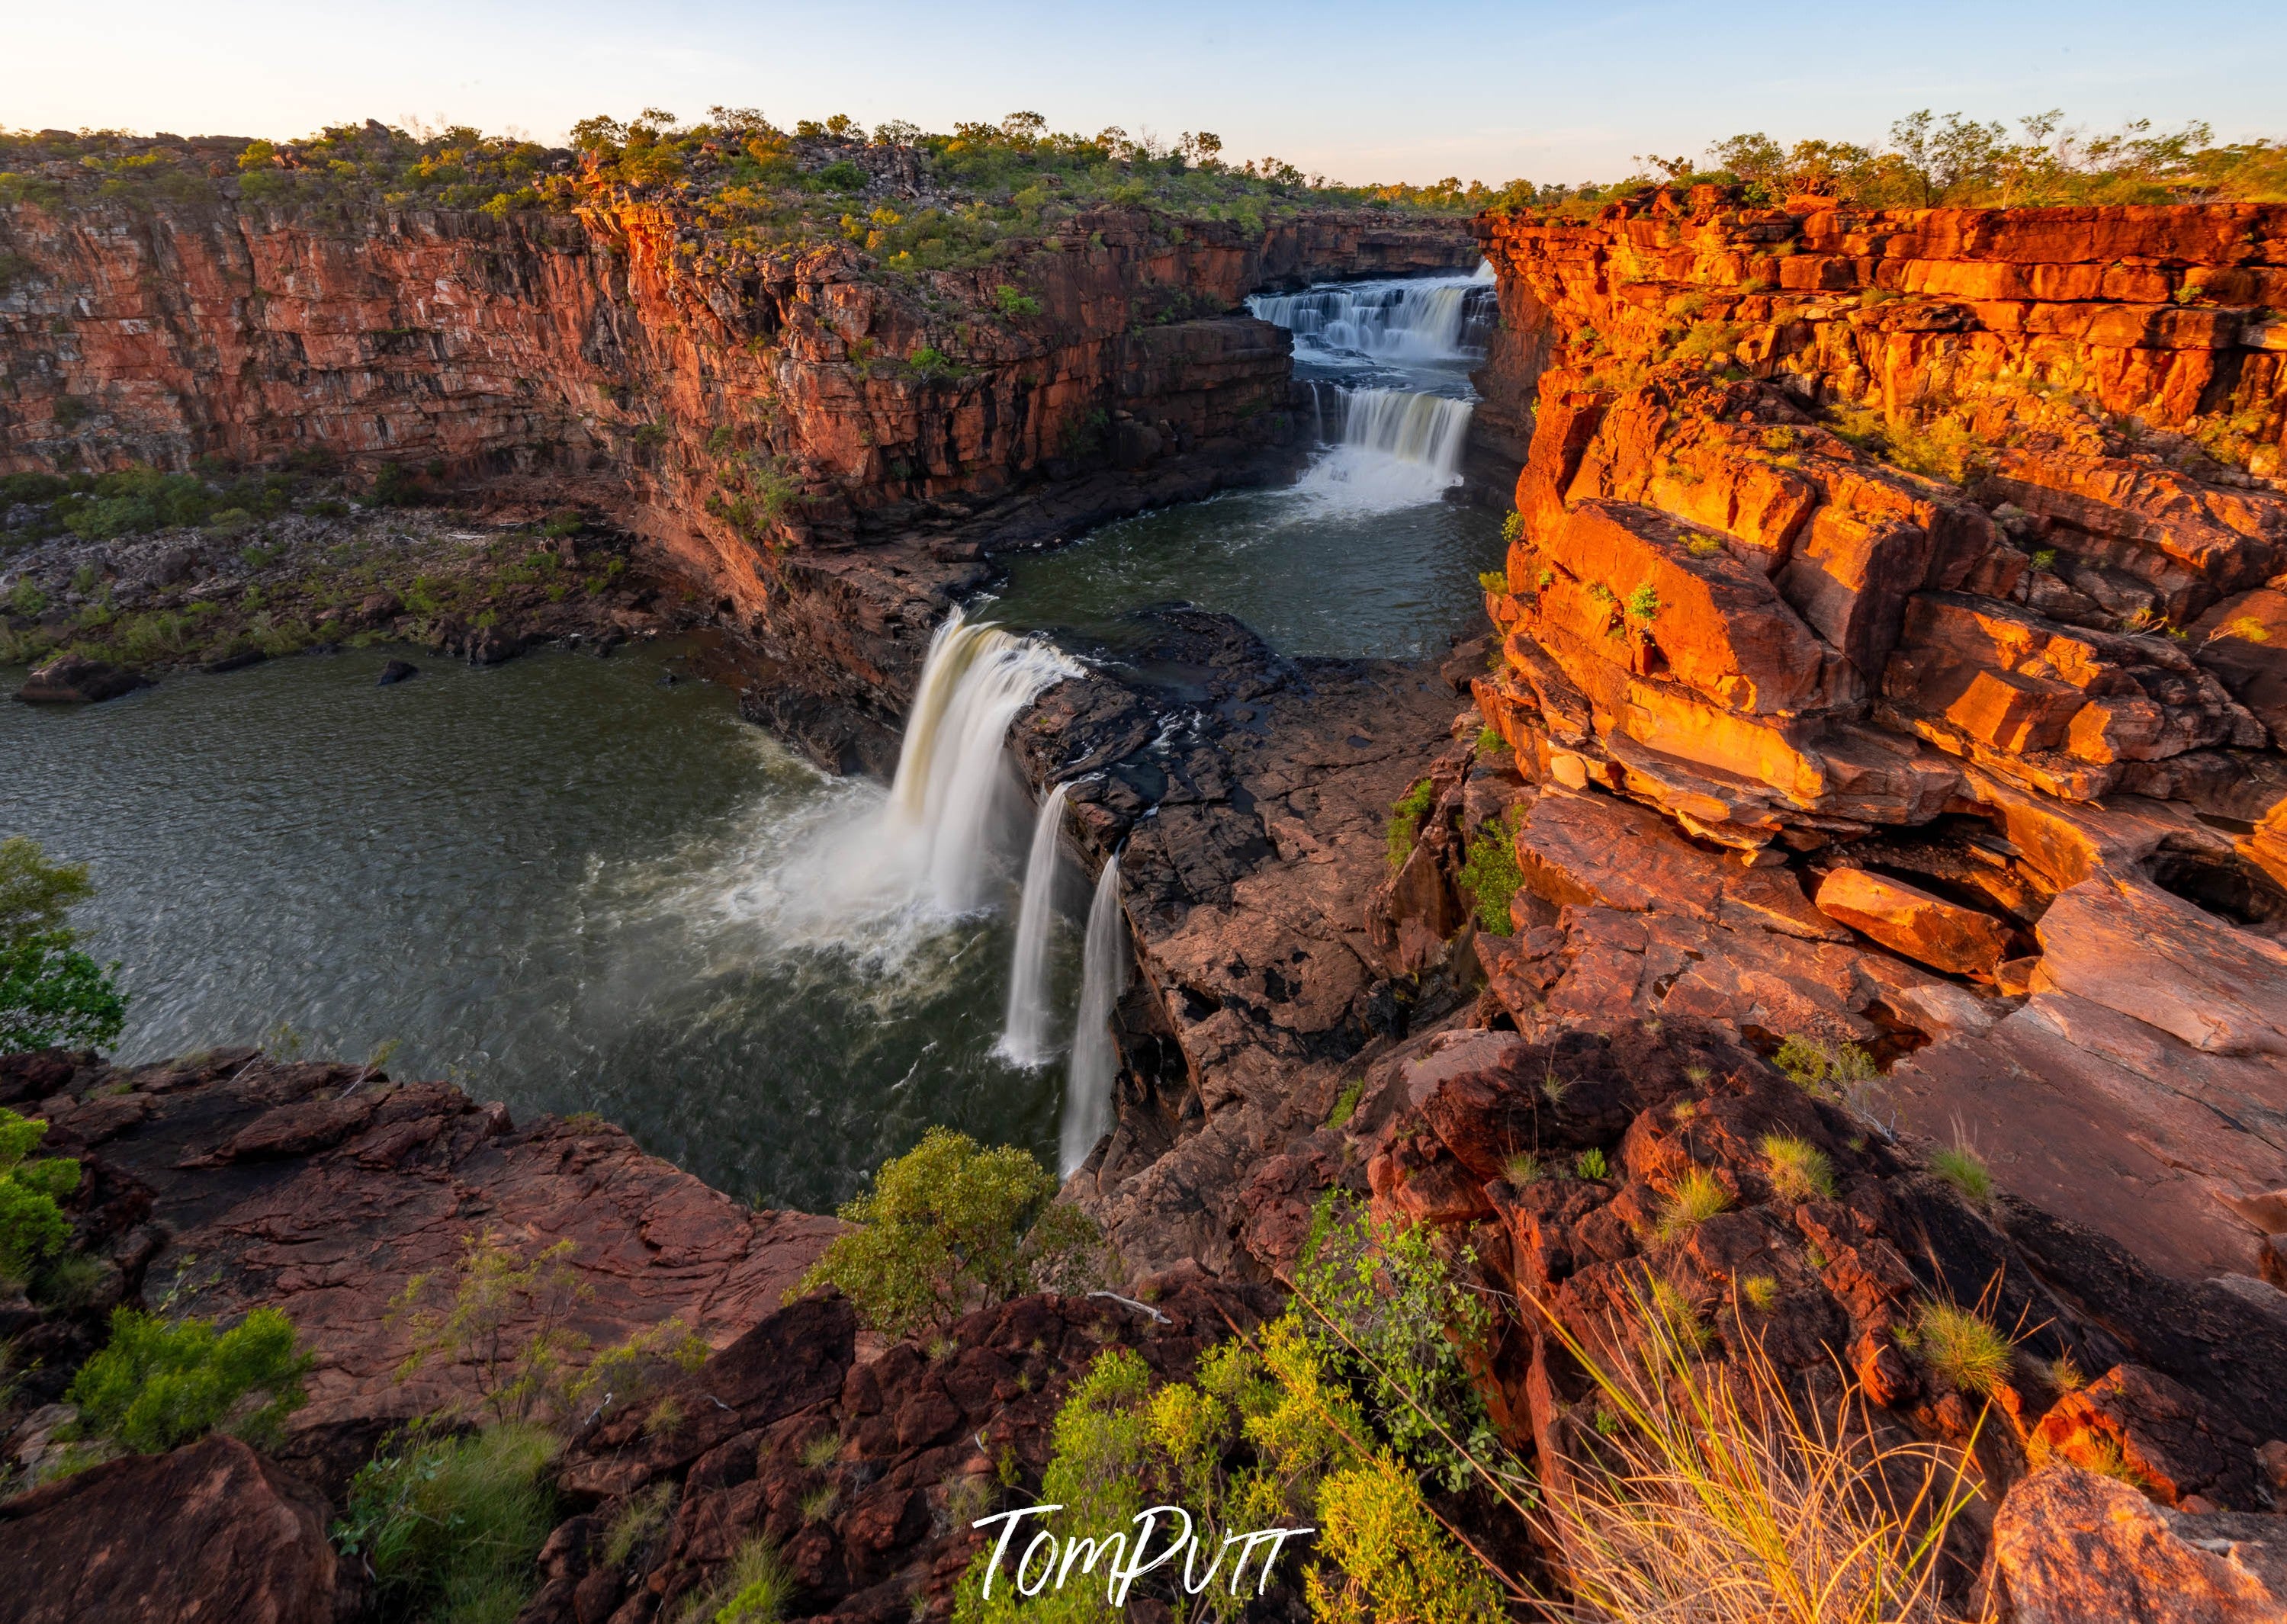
{"points": [[1393, 1560], [157, 1384], [33, 1227], [1643, 602], [509, 1318], [1962, 1346], [1406, 815], [1962, 1167], [1490, 873], [1698, 1195], [50, 993], [1841, 1073], [450, 1527], [1495, 581], [1591, 1164], [1015, 301], [1387, 1311], [1798, 1170], [754, 1587], [947, 1227], [1513, 528]]}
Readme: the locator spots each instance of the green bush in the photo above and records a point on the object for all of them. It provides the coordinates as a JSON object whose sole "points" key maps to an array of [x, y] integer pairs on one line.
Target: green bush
{"points": [[1490, 874], [50, 993], [450, 1527], [33, 1227], [843, 176], [948, 1228], [1406, 815], [1388, 1314], [157, 1384]]}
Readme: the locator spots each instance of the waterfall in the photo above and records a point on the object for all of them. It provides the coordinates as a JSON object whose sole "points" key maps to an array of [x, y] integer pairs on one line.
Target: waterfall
{"points": [[1094, 1058], [1025, 1040], [954, 787], [1417, 320], [1395, 449]]}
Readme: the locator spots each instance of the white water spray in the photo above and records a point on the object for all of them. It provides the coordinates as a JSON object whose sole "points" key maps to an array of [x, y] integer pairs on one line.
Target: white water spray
{"points": [[1416, 321], [1094, 1058], [1025, 1037]]}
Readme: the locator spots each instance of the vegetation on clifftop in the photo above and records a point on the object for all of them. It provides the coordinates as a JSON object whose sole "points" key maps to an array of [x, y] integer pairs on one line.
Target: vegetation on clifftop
{"points": [[1929, 162]]}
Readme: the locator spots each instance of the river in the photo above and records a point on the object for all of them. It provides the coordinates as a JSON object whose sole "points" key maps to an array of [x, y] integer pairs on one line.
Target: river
{"points": [[571, 884]]}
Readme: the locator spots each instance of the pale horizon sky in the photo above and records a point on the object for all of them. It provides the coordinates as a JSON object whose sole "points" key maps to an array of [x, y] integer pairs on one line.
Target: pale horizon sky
{"points": [[1356, 92]]}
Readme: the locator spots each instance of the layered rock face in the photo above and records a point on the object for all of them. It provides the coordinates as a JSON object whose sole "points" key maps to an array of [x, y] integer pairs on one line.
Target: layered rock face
{"points": [[1886, 655], [727, 414]]}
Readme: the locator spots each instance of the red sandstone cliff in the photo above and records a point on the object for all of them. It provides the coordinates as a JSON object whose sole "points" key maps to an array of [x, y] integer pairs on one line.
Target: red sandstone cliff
{"points": [[728, 413], [1892, 651]]}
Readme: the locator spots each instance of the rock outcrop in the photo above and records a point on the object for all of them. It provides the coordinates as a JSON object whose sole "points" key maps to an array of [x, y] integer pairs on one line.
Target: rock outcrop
{"points": [[212, 1531], [2071, 1546], [238, 1182], [1912, 568]]}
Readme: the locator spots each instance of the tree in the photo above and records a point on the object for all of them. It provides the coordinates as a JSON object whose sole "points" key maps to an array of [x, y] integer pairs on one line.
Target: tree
{"points": [[949, 1227], [50, 993]]}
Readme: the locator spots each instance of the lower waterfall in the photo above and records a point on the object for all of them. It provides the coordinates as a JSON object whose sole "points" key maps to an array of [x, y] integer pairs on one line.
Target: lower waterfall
{"points": [[1095, 1057], [1395, 448], [1026, 1037], [954, 790]]}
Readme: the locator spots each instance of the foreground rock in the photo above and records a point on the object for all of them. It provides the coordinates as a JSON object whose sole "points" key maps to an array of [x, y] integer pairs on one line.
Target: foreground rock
{"points": [[2073, 1548], [864, 1473], [209, 1532], [239, 1182]]}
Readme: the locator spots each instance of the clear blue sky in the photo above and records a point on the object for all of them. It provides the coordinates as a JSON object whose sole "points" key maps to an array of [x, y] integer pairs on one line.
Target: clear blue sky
{"points": [[1359, 92]]}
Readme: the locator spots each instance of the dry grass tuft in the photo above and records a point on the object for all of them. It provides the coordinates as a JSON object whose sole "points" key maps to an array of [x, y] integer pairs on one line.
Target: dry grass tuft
{"points": [[1718, 1500], [1961, 1346], [1798, 1170], [1700, 1195]]}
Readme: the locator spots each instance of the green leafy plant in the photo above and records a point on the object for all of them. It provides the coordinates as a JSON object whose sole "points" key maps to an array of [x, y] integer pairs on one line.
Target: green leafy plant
{"points": [[449, 1527], [1840, 1073], [50, 993], [1406, 815], [33, 1227], [157, 1384], [755, 1586], [1643, 602], [1013, 301], [1346, 1103], [1591, 1164], [1491, 873], [508, 1319], [949, 1227], [1388, 1312], [1495, 581]]}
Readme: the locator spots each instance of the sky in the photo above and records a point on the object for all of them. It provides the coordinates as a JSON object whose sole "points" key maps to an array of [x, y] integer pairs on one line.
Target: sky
{"points": [[1356, 92]]}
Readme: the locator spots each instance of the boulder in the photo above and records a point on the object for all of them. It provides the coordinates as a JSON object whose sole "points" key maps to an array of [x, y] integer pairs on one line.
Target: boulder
{"points": [[397, 671], [72, 679], [1926, 929], [209, 1532], [2070, 1547], [2170, 1441]]}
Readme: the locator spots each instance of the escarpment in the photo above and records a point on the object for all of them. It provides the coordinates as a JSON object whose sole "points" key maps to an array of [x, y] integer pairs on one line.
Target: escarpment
{"points": [[1884, 654]]}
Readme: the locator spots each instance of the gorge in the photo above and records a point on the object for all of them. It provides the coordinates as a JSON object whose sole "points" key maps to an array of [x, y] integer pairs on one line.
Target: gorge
{"points": [[1861, 692]]}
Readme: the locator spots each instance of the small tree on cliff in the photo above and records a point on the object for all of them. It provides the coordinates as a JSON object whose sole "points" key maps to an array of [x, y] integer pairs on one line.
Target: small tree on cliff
{"points": [[50, 993], [948, 1228]]}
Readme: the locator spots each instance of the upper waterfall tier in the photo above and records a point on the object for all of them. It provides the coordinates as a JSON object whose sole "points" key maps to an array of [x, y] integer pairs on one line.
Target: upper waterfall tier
{"points": [[1413, 320]]}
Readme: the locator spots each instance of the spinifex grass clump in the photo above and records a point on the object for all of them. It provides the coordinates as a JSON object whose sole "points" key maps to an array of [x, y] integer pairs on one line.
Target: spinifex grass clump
{"points": [[1798, 1170], [1961, 1346], [1717, 1498], [1700, 1195]]}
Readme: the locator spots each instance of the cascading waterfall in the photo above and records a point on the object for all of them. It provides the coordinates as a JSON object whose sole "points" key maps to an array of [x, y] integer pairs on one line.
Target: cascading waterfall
{"points": [[1421, 320], [953, 785], [1428, 430], [1396, 449], [1094, 1058], [1025, 1035]]}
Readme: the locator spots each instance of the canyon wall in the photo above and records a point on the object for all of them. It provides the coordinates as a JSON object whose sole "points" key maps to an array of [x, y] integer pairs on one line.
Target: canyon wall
{"points": [[749, 413], [1892, 649]]}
